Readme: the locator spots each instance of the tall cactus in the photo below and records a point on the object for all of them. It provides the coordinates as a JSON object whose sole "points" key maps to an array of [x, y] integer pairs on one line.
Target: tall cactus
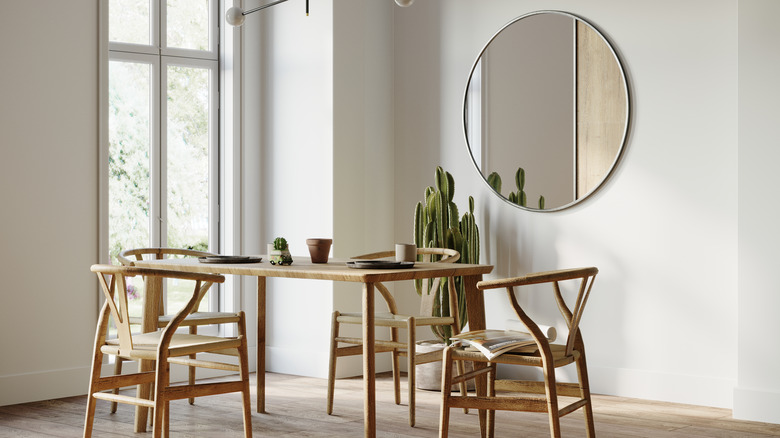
{"points": [[437, 225], [519, 197], [494, 180]]}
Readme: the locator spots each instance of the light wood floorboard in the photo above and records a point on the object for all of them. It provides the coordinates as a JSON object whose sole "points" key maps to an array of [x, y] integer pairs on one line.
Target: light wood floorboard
{"points": [[296, 408]]}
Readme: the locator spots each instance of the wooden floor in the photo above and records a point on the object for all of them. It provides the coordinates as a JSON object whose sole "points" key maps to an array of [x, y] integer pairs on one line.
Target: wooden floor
{"points": [[296, 408]]}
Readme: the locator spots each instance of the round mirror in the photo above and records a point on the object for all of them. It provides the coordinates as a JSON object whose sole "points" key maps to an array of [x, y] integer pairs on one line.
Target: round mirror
{"points": [[546, 111]]}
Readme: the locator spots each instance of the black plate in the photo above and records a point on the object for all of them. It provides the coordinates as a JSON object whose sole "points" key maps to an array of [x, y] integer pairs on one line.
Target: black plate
{"points": [[230, 259], [379, 264]]}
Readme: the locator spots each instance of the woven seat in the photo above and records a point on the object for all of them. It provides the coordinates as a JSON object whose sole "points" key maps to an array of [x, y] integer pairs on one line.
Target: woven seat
{"points": [[543, 355], [193, 320], [164, 347]]}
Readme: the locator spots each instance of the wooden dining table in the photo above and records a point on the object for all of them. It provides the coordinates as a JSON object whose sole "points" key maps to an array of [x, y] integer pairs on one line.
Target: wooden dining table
{"points": [[334, 270]]}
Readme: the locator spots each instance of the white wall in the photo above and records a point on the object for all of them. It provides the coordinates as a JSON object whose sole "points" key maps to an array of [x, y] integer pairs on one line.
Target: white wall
{"points": [[48, 193], [318, 119], [663, 231], [363, 146], [288, 144], [757, 394], [663, 320]]}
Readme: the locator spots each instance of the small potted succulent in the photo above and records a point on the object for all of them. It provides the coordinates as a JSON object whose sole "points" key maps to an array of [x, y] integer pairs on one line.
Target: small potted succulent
{"points": [[280, 255]]}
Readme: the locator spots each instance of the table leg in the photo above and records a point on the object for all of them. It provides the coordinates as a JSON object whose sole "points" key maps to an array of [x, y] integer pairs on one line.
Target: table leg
{"points": [[149, 316], [475, 306], [369, 362], [260, 385]]}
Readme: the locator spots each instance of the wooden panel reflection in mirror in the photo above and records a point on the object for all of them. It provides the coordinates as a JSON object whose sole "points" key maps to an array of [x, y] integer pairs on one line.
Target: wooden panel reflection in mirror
{"points": [[601, 109]]}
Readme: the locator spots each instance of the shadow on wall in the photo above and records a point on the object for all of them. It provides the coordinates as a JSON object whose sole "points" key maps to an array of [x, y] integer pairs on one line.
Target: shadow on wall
{"points": [[508, 244]]}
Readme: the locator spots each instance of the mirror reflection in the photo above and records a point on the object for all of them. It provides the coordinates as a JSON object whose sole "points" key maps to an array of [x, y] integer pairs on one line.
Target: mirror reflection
{"points": [[546, 111]]}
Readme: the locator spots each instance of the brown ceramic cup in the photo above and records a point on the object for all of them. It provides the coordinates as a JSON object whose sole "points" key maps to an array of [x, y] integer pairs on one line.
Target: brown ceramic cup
{"points": [[319, 249]]}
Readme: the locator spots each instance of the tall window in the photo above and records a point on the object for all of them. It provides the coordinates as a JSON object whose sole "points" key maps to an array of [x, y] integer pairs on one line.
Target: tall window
{"points": [[163, 127]]}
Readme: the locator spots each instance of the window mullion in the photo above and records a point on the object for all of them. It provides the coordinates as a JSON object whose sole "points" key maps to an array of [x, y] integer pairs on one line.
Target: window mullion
{"points": [[160, 175], [158, 15], [159, 192], [214, 176]]}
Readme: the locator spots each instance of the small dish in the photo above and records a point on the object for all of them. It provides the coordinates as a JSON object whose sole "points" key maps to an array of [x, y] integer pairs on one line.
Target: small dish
{"points": [[230, 259], [379, 264]]}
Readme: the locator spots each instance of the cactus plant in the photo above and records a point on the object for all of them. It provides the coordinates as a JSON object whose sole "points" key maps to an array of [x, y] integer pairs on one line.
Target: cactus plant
{"points": [[519, 197], [280, 243], [437, 225], [280, 255], [494, 180]]}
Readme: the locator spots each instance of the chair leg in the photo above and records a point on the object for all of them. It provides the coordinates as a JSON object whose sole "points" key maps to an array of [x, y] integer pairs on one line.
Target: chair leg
{"points": [[446, 384], [243, 360], [491, 391], [334, 333], [89, 419], [157, 423], [191, 370], [161, 383], [90, 416], [97, 364], [167, 419], [117, 371], [150, 414], [396, 368], [582, 373], [159, 413], [411, 352], [461, 366], [552, 399]]}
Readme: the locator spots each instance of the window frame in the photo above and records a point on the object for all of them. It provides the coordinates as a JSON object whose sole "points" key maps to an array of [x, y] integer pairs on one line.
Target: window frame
{"points": [[214, 148], [224, 130]]}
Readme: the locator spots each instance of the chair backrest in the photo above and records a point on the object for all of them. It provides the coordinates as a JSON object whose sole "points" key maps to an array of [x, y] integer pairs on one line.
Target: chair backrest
{"points": [[112, 279], [586, 277], [425, 255], [128, 257]]}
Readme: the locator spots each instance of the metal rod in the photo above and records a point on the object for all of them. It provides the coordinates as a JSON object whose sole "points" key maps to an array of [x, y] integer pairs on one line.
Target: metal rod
{"points": [[263, 7]]}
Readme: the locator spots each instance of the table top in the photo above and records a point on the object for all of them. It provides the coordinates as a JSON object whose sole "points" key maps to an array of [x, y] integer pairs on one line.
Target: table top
{"points": [[335, 269]]}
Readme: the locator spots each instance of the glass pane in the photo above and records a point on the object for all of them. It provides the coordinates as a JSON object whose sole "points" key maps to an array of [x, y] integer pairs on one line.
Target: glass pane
{"points": [[188, 24], [130, 142], [129, 21], [187, 166]]}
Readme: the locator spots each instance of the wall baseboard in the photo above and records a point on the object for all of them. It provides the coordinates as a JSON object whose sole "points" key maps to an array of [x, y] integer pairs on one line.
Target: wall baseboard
{"points": [[756, 405], [668, 387], [296, 361], [310, 363], [641, 384], [53, 384], [748, 404], [24, 388]]}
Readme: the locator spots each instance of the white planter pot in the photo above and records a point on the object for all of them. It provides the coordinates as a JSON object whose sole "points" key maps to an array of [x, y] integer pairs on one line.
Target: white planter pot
{"points": [[429, 374]]}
